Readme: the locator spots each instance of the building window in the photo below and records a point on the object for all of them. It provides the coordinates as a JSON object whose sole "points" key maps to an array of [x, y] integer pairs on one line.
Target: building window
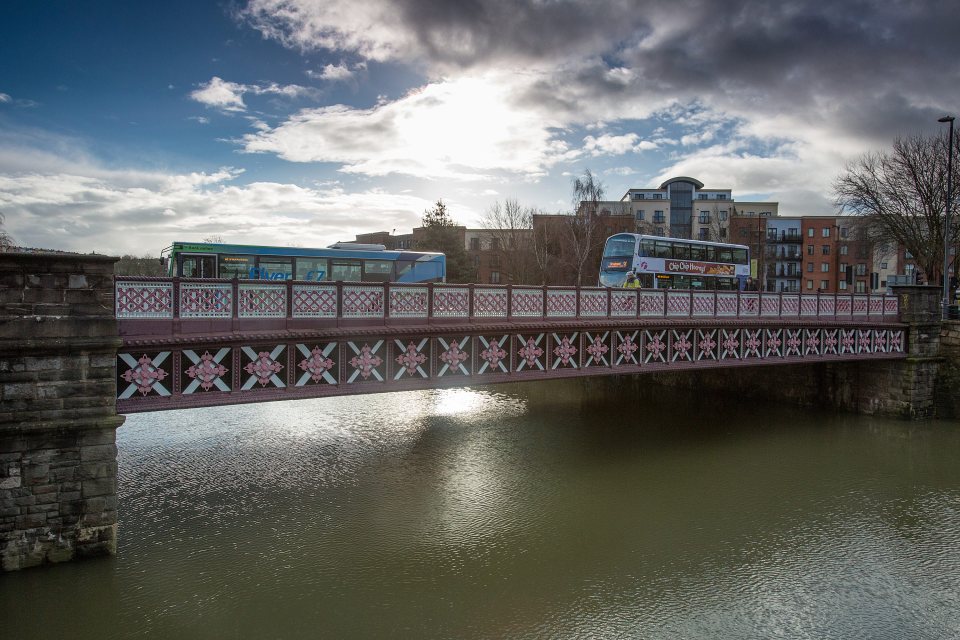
{"points": [[810, 284], [843, 285], [809, 249], [843, 232], [824, 285], [861, 269], [474, 244], [810, 233], [704, 234], [883, 265], [659, 231], [638, 196], [824, 267], [640, 214], [843, 267], [844, 249], [704, 217], [826, 232], [721, 196], [810, 267], [860, 286], [825, 249], [907, 254], [723, 214], [658, 196], [494, 277], [495, 244], [658, 216], [701, 196]]}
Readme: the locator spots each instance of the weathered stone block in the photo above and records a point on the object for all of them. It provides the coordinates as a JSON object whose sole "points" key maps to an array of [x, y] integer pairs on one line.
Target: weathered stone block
{"points": [[98, 452], [99, 487]]}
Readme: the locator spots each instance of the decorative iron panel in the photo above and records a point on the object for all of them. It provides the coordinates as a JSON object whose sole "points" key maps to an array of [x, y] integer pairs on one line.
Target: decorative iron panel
{"points": [[362, 301], [561, 304], [144, 299], [593, 304], [489, 302], [202, 300], [262, 300], [527, 303], [451, 302], [623, 304], [314, 301], [408, 302]]}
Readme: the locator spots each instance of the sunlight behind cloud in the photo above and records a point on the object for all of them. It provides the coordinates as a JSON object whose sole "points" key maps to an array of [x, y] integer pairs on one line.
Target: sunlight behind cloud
{"points": [[464, 128]]}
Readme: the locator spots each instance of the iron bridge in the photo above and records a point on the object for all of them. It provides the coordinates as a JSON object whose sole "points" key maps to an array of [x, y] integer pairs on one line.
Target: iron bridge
{"points": [[191, 343]]}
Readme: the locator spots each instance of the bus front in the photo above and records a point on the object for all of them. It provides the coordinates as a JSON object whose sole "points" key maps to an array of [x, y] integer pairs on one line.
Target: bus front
{"points": [[617, 260]]}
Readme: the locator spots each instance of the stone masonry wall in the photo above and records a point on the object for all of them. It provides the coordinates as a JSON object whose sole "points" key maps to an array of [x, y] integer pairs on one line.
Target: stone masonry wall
{"points": [[58, 456]]}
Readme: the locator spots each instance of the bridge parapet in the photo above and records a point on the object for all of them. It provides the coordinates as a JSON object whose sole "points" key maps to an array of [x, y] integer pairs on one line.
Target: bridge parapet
{"points": [[312, 304]]}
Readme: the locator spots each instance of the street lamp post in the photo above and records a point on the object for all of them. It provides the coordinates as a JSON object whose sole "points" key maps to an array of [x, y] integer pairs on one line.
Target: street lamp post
{"points": [[946, 222]]}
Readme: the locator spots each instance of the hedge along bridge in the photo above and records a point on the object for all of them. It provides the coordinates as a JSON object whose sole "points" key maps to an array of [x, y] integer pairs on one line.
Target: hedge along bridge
{"points": [[189, 343]]}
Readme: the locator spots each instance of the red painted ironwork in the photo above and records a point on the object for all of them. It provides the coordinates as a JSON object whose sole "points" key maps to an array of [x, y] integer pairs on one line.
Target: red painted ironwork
{"points": [[230, 342]]}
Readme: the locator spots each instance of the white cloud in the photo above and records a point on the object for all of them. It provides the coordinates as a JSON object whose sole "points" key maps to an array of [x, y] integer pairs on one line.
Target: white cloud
{"points": [[333, 73], [465, 128], [607, 144], [228, 96], [5, 97], [72, 204]]}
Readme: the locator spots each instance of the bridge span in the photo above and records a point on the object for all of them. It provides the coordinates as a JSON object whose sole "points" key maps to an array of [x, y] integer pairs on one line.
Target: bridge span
{"points": [[189, 343]]}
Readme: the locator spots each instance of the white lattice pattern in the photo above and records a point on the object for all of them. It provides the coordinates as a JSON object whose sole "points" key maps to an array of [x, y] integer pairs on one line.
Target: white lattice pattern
{"points": [[678, 303], [652, 303], [704, 304], [876, 306], [561, 304], [314, 301], [361, 301], [808, 305], [593, 303], [844, 306], [828, 305], [891, 306], [451, 302], [726, 304], [790, 306], [262, 301], [770, 305], [408, 302], [749, 304], [527, 303], [144, 299], [860, 305], [489, 303], [623, 304], [199, 300]]}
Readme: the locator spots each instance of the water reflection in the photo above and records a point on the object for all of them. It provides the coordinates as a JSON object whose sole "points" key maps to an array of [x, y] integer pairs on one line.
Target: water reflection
{"points": [[523, 512]]}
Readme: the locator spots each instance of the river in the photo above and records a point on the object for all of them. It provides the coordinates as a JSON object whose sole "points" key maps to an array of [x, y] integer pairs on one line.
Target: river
{"points": [[523, 511]]}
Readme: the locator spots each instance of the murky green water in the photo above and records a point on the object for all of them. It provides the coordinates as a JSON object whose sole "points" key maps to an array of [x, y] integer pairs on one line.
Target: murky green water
{"points": [[494, 513]]}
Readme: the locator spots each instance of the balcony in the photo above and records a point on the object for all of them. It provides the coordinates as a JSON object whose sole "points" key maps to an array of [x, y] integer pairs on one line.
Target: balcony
{"points": [[792, 238]]}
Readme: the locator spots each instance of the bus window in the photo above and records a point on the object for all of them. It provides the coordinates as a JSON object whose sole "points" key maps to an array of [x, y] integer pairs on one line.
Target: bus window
{"points": [[403, 270], [377, 270], [312, 269], [647, 248], [681, 251], [348, 270], [619, 246], [232, 266], [664, 250], [194, 266], [274, 268], [427, 271], [739, 256], [724, 255], [698, 252], [711, 254]]}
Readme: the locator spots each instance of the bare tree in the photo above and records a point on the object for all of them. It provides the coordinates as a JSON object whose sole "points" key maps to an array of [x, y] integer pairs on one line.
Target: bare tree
{"points": [[511, 227], [6, 240], [584, 232], [902, 197], [215, 238]]}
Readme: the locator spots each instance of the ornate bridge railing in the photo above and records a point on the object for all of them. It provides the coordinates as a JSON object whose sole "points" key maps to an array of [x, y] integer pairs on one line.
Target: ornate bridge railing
{"points": [[347, 303], [189, 343]]}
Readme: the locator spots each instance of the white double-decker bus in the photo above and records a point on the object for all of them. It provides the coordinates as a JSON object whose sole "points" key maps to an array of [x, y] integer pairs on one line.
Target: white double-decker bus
{"points": [[672, 263]]}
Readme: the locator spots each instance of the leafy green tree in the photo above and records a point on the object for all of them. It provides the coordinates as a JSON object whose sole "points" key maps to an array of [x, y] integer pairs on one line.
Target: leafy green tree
{"points": [[441, 233]]}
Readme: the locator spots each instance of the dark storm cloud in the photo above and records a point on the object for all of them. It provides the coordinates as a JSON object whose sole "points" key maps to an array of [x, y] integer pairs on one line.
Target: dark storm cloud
{"points": [[864, 64]]}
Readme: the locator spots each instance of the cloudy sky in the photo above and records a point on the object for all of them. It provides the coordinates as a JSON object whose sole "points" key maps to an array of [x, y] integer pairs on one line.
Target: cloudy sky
{"points": [[127, 125]]}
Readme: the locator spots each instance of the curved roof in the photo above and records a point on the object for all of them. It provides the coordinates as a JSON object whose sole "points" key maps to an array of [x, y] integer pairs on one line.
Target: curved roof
{"points": [[693, 181]]}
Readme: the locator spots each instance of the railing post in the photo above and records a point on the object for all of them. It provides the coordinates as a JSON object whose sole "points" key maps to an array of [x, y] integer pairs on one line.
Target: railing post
{"points": [[289, 293], [430, 286], [577, 295], [509, 300], [339, 285], [610, 306], [386, 302], [175, 292], [470, 309]]}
